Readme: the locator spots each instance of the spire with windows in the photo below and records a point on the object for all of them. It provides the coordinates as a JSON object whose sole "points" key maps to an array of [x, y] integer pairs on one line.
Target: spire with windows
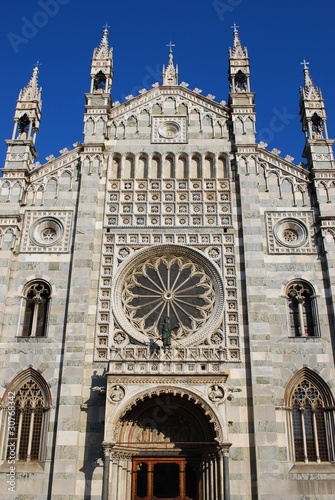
{"points": [[21, 150], [318, 146], [241, 99], [102, 66], [28, 110], [98, 100]]}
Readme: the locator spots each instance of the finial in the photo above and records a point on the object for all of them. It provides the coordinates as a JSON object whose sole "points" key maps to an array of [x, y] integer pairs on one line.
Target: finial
{"points": [[170, 51], [106, 27], [237, 42], [308, 81], [170, 74]]}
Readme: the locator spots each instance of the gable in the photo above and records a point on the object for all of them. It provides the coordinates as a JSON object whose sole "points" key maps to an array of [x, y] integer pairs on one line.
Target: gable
{"points": [[164, 115]]}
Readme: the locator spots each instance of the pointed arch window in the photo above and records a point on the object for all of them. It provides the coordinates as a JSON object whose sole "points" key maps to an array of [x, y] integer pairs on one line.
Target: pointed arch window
{"points": [[27, 404], [100, 82], [240, 81], [23, 124], [303, 318], [311, 418], [37, 302]]}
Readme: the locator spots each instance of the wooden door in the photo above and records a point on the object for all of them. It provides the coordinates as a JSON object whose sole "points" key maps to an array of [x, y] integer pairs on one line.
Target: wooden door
{"points": [[164, 479]]}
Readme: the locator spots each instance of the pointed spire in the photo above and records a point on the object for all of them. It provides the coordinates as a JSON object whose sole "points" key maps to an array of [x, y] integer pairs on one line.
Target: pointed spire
{"points": [[170, 74], [103, 51], [313, 117], [237, 51], [102, 66], [236, 37], [21, 150], [31, 92], [309, 90]]}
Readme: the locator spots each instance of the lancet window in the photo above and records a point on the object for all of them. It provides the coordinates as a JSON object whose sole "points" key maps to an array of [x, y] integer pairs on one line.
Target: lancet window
{"points": [[311, 415], [37, 301], [26, 415], [302, 310]]}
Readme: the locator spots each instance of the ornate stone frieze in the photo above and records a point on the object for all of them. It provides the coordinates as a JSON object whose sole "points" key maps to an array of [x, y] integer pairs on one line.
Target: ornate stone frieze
{"points": [[169, 202]]}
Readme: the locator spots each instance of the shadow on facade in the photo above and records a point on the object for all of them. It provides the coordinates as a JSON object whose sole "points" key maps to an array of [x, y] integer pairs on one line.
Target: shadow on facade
{"points": [[94, 408]]}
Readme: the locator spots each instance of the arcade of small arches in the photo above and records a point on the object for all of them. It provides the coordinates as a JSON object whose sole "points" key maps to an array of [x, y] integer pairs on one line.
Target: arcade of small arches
{"points": [[37, 193], [170, 165]]}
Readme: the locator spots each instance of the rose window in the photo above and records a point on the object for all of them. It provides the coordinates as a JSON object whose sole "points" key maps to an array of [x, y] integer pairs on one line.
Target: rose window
{"points": [[170, 285], [46, 231], [290, 232]]}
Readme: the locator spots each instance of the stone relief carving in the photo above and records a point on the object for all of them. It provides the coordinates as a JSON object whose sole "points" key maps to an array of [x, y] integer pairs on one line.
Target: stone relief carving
{"points": [[216, 394], [116, 393]]}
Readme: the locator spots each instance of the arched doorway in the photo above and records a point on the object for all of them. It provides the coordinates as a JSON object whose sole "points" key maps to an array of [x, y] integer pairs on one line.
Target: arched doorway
{"points": [[167, 447]]}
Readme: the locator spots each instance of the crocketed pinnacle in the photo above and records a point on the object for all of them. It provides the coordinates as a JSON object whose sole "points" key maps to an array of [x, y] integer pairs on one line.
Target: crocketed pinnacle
{"points": [[31, 92], [309, 90], [237, 52], [103, 51]]}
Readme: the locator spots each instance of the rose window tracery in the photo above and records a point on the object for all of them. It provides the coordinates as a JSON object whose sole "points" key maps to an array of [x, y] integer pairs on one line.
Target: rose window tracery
{"points": [[171, 285]]}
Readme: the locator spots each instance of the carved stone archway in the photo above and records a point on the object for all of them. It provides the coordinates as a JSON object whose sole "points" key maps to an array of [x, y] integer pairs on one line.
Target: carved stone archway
{"points": [[170, 431]]}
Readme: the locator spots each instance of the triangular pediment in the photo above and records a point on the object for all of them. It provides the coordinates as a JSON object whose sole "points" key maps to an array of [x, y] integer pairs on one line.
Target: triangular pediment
{"points": [[167, 100]]}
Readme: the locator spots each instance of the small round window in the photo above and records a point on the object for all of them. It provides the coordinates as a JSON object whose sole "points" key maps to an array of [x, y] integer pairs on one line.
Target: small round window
{"points": [[169, 130], [290, 232], [46, 231]]}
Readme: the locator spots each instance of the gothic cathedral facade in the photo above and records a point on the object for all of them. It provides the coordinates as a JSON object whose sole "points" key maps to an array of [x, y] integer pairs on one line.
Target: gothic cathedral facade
{"points": [[167, 299]]}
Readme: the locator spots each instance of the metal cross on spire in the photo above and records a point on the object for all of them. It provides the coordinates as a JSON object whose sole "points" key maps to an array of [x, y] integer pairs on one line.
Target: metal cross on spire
{"points": [[106, 26], [170, 45], [305, 63], [235, 27]]}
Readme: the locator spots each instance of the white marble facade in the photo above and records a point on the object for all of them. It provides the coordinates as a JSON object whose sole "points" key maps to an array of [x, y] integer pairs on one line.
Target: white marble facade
{"points": [[167, 321]]}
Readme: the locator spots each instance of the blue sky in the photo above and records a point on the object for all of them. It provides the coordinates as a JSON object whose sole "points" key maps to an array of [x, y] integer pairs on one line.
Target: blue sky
{"points": [[62, 34]]}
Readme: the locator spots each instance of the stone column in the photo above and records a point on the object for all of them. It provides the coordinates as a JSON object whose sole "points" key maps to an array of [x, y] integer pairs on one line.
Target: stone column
{"points": [[105, 477], [224, 471]]}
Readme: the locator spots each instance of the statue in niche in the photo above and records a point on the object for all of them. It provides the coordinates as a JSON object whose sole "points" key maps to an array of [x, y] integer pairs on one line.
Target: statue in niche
{"points": [[166, 331]]}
